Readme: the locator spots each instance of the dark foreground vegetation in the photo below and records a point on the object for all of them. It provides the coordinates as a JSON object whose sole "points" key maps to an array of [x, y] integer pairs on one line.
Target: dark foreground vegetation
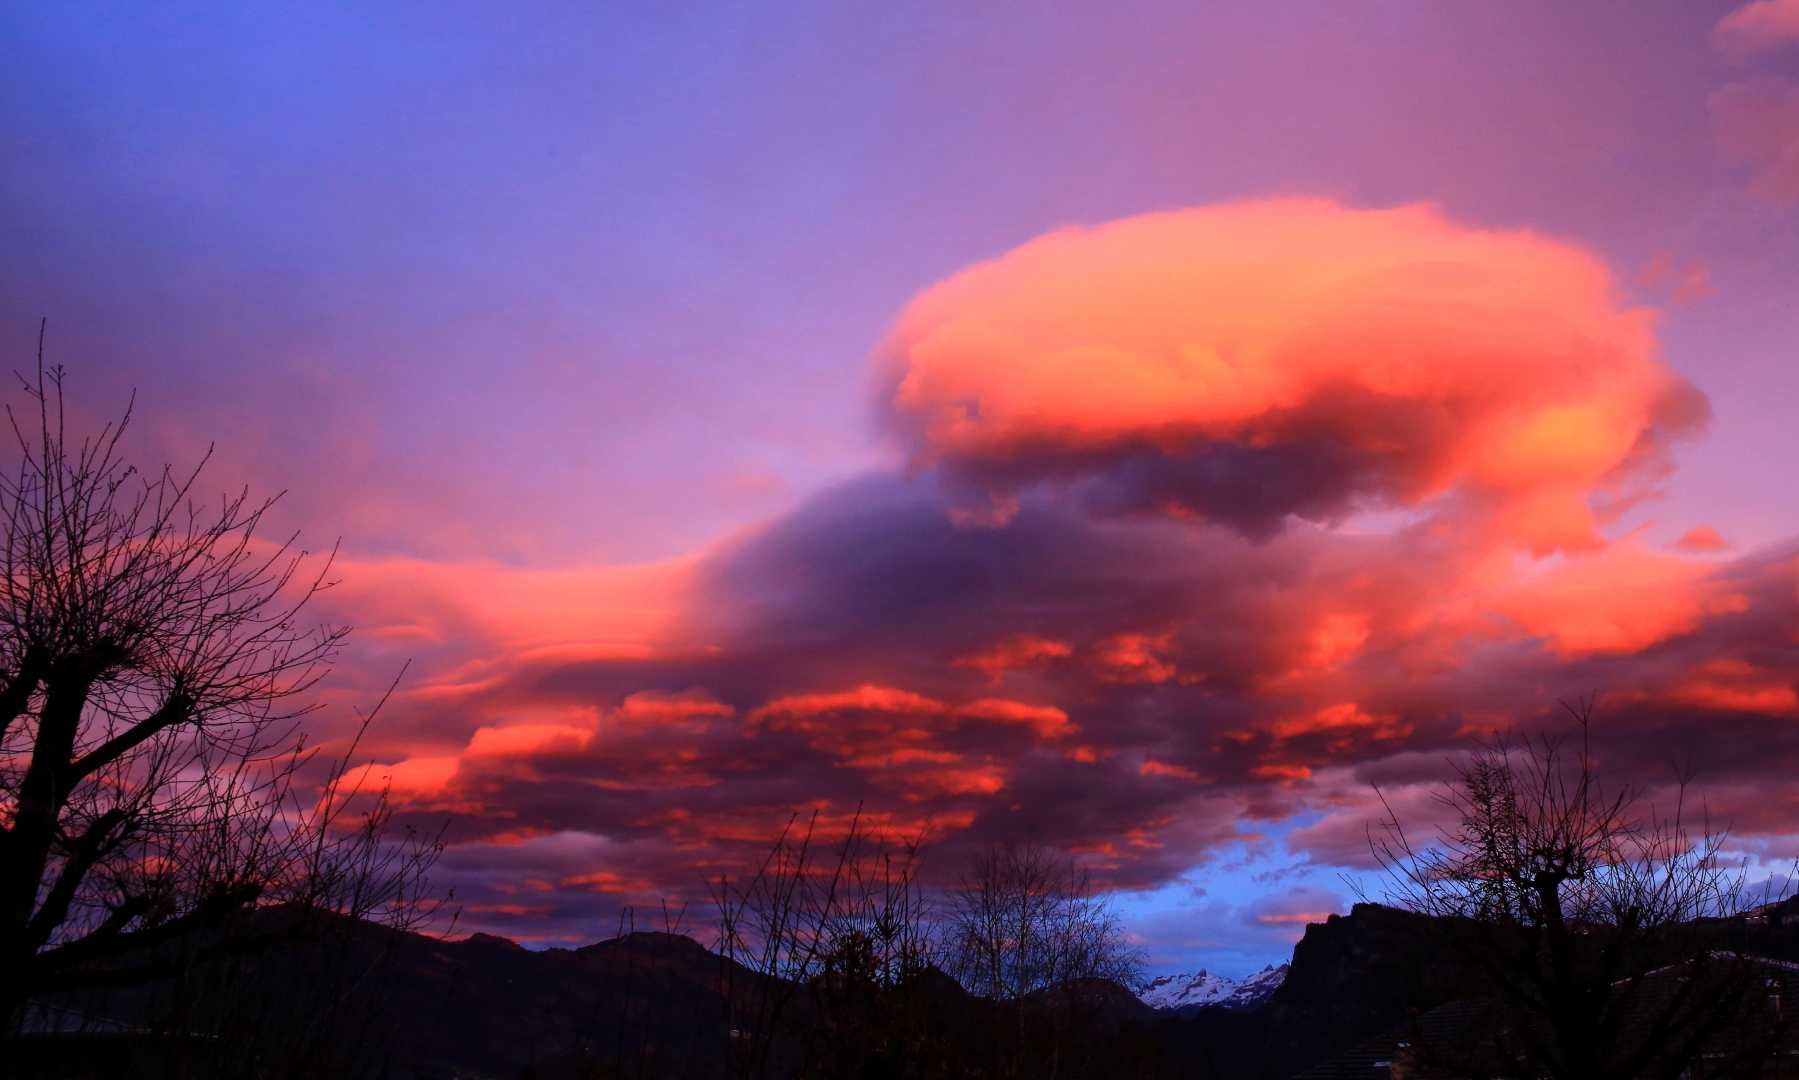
{"points": [[370, 1001]]}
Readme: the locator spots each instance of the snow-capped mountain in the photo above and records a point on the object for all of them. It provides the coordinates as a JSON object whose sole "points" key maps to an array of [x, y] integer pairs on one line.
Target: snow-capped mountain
{"points": [[1188, 993], [1173, 991], [1258, 988]]}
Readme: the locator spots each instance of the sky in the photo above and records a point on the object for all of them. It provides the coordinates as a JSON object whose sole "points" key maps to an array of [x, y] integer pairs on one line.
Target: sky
{"points": [[1142, 427]]}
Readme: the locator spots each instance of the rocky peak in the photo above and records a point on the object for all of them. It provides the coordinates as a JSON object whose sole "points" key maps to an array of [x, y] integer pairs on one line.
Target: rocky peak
{"points": [[1185, 993]]}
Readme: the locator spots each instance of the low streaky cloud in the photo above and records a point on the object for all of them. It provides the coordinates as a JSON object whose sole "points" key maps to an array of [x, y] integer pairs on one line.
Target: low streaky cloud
{"points": [[1618, 601], [1250, 362], [1757, 120], [1295, 907], [1701, 539], [825, 671], [1689, 282], [457, 632], [1757, 27], [1156, 635]]}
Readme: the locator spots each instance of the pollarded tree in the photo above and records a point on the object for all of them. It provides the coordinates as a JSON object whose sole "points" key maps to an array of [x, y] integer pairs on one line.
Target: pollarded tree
{"points": [[151, 654], [1590, 918]]}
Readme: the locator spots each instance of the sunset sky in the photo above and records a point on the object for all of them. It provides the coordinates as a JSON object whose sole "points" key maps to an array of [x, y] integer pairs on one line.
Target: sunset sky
{"points": [[1142, 426]]}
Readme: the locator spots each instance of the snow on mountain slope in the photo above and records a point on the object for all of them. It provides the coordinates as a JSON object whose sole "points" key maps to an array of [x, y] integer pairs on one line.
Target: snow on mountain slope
{"points": [[1187, 993], [1258, 988], [1173, 991]]}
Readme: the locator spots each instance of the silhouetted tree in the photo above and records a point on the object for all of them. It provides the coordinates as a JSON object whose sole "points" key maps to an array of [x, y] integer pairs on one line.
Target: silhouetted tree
{"points": [[1584, 913], [1025, 918], [845, 934], [151, 654], [1027, 929]]}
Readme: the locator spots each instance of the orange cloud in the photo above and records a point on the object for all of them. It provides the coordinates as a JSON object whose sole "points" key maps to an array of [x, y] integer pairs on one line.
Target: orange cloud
{"points": [[1622, 600], [1151, 767], [1016, 651], [1338, 637], [465, 621], [1280, 771], [874, 726], [1300, 917], [607, 881], [526, 740], [1333, 718], [981, 779], [1700, 539], [1132, 658], [649, 708], [1779, 699], [883, 699], [1047, 721], [1211, 356], [404, 779]]}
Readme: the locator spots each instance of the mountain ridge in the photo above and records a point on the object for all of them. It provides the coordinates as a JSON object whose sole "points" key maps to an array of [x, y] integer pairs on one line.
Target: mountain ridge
{"points": [[1186, 994]]}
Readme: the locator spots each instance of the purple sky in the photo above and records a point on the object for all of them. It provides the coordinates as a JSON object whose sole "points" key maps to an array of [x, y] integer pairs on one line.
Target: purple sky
{"points": [[494, 289]]}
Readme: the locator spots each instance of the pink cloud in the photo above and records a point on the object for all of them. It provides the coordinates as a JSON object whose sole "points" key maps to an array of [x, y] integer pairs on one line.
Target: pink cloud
{"points": [[527, 740], [1047, 721], [1757, 119], [1758, 26], [659, 707], [1017, 651], [1294, 908], [1700, 539], [1688, 281]]}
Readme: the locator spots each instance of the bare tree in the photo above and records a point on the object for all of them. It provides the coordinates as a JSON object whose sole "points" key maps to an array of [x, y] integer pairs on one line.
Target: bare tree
{"points": [[844, 935], [1584, 914], [860, 965], [151, 657], [1028, 931], [1026, 918]]}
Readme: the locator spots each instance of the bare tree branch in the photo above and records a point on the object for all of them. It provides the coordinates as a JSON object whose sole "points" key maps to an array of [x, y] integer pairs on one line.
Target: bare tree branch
{"points": [[1574, 903], [153, 664]]}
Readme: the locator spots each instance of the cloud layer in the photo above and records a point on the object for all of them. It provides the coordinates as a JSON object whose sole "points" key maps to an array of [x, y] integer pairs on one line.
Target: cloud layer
{"points": [[1124, 602]]}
